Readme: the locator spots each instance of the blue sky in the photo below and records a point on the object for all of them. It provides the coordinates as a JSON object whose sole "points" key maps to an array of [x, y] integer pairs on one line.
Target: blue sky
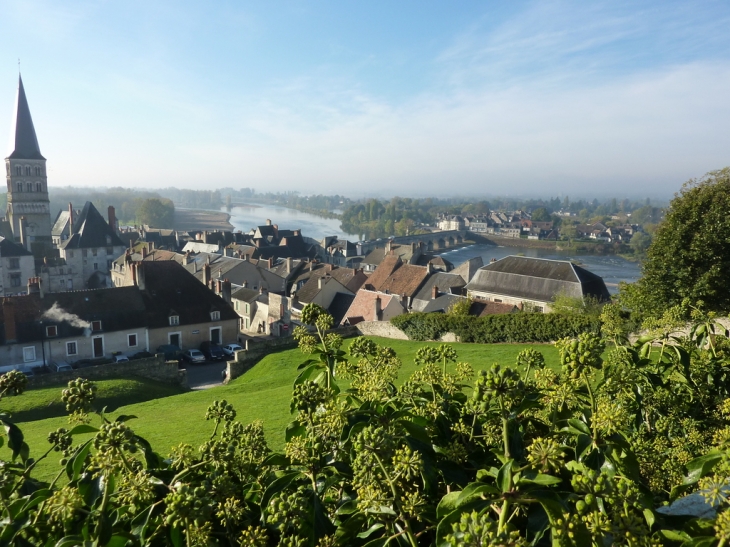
{"points": [[408, 98]]}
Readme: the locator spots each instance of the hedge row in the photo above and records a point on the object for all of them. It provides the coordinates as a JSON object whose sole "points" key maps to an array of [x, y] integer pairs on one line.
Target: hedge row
{"points": [[511, 327]]}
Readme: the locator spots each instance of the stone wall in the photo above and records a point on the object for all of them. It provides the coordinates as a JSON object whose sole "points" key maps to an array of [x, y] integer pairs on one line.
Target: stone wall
{"points": [[384, 329], [152, 368]]}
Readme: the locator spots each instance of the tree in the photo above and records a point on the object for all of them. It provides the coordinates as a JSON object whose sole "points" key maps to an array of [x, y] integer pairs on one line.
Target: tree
{"points": [[157, 213], [540, 215], [689, 256]]}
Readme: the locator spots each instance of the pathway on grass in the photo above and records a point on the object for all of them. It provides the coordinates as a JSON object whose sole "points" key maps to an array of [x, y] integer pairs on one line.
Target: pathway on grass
{"points": [[206, 375]]}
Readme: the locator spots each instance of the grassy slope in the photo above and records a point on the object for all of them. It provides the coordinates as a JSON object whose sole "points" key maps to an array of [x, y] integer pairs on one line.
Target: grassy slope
{"points": [[261, 394], [42, 403]]}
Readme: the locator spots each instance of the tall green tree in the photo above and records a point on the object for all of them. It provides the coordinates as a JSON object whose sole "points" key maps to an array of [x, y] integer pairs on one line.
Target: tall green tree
{"points": [[157, 213], [690, 254]]}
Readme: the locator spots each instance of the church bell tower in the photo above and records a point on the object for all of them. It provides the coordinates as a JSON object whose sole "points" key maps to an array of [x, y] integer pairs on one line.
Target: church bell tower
{"points": [[28, 209]]}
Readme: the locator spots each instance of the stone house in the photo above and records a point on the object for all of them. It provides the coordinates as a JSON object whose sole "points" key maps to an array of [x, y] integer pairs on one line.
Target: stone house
{"points": [[16, 267], [534, 282], [180, 310]]}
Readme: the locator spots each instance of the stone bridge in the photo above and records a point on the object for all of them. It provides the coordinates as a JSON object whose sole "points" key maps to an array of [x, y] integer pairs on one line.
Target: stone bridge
{"points": [[434, 241]]}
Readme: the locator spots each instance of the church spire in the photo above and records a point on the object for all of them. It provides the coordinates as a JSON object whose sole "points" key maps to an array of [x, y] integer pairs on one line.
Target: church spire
{"points": [[23, 141]]}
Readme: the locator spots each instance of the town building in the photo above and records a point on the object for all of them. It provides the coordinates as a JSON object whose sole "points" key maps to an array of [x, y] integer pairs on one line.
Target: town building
{"points": [[16, 266], [533, 283]]}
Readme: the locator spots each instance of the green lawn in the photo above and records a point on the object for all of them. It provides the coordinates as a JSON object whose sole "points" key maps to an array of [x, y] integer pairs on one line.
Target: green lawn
{"points": [[42, 403], [263, 393]]}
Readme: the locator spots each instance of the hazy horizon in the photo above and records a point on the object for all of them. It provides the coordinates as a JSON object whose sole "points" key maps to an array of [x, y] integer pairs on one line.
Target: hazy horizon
{"points": [[512, 99]]}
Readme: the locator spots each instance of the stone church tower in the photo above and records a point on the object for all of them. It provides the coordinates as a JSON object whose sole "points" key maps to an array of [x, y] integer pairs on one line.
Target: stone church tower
{"points": [[28, 211]]}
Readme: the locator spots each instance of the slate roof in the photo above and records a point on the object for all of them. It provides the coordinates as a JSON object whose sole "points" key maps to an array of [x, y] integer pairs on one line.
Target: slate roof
{"points": [[443, 303], [118, 308], [60, 224], [170, 290], [340, 304], [23, 140], [245, 295], [9, 248], [537, 279], [467, 269], [444, 281], [482, 309], [91, 230]]}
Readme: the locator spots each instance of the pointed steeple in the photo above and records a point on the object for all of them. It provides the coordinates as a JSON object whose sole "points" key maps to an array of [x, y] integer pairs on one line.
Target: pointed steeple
{"points": [[23, 141]]}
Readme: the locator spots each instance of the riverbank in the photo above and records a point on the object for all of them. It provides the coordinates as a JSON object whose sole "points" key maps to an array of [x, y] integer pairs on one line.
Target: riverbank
{"points": [[200, 219], [583, 247]]}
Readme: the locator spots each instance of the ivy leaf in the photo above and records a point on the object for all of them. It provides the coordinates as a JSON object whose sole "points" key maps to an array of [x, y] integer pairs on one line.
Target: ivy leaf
{"points": [[278, 485], [83, 428], [76, 462], [698, 468], [539, 478], [504, 477], [447, 504], [369, 531]]}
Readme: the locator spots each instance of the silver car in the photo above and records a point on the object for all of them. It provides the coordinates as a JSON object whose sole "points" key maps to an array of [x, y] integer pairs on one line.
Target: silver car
{"points": [[194, 356]]}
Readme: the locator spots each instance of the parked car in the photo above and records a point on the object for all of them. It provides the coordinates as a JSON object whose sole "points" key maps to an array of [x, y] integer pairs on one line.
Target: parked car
{"points": [[59, 366], [143, 355], [120, 359], [171, 352], [193, 356], [212, 351], [231, 349]]}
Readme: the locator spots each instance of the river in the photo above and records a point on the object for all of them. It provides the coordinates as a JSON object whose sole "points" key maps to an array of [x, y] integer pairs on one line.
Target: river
{"points": [[244, 218], [613, 269]]}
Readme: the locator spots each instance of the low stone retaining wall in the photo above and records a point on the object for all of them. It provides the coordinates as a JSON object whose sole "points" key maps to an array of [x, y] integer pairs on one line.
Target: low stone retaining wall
{"points": [[153, 368], [254, 351]]}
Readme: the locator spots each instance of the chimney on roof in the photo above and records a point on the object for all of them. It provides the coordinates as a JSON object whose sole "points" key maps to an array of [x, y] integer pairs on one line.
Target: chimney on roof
{"points": [[389, 246], [70, 219], [152, 245], [434, 292], [328, 267], [262, 290], [206, 274], [270, 262], [320, 282], [429, 268], [288, 264], [268, 222], [404, 301], [311, 265], [133, 270], [9, 318], [218, 285], [144, 251], [413, 247], [245, 284], [226, 293], [112, 218], [378, 311]]}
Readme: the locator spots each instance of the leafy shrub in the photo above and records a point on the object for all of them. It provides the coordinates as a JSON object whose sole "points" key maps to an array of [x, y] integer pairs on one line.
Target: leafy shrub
{"points": [[512, 327], [583, 456]]}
